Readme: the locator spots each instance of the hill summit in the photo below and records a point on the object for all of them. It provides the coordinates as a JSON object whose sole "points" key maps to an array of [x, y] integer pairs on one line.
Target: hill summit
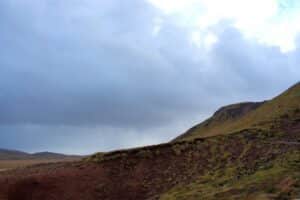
{"points": [[261, 115]]}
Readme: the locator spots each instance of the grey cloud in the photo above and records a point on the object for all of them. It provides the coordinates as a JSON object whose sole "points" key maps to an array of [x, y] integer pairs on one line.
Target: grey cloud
{"points": [[121, 80], [71, 68]]}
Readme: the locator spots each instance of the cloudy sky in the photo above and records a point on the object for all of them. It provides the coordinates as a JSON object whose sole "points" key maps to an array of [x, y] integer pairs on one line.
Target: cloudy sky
{"points": [[83, 76]]}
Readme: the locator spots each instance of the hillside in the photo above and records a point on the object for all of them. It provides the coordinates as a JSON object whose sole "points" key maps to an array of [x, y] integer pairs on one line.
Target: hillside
{"points": [[220, 119], [6, 154], [262, 115], [51, 155], [256, 157], [12, 159]]}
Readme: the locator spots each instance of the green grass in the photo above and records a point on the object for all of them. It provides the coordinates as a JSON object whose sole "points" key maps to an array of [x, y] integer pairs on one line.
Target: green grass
{"points": [[279, 179]]}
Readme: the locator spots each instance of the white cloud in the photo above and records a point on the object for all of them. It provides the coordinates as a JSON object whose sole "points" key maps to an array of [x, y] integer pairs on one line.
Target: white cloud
{"points": [[270, 22], [171, 6], [206, 40], [157, 26], [209, 40]]}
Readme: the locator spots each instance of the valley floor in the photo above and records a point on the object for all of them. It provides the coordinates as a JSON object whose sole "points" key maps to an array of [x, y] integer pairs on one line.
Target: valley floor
{"points": [[13, 164]]}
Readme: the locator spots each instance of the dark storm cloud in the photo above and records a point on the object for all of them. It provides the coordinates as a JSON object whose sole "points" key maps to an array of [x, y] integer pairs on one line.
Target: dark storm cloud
{"points": [[70, 68]]}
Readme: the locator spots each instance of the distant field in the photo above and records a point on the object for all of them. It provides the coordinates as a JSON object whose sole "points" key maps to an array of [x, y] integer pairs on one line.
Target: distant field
{"points": [[12, 164]]}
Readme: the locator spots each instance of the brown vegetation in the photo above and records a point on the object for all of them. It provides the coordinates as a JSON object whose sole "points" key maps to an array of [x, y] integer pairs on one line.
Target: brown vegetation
{"points": [[13, 164]]}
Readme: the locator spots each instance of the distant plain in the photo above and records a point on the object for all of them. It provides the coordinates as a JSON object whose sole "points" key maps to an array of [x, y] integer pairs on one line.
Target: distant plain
{"points": [[13, 164]]}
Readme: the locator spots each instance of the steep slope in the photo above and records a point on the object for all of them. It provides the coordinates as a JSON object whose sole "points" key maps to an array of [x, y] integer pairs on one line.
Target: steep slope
{"points": [[265, 115], [221, 119]]}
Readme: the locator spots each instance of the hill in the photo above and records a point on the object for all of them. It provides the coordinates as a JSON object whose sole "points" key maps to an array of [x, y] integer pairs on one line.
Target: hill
{"points": [[256, 156], [220, 119], [6, 154], [12, 159], [262, 115], [51, 155]]}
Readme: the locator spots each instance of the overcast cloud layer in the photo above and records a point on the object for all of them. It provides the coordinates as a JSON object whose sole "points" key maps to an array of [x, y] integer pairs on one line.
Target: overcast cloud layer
{"points": [[85, 76]]}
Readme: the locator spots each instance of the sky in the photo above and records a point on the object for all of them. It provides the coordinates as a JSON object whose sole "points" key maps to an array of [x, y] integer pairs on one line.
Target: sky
{"points": [[79, 76]]}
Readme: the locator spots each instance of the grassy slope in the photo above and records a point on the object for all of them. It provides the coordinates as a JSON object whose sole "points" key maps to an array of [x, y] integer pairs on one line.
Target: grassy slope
{"points": [[267, 116], [275, 179], [220, 120], [278, 179], [249, 164]]}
